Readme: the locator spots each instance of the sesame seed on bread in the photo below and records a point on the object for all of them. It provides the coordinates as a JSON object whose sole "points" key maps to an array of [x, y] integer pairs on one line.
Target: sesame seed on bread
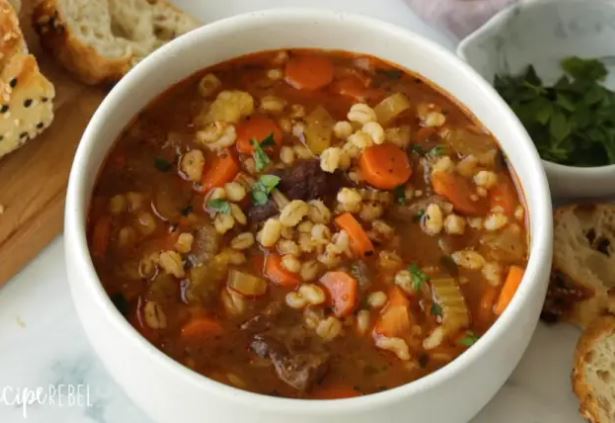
{"points": [[25, 94]]}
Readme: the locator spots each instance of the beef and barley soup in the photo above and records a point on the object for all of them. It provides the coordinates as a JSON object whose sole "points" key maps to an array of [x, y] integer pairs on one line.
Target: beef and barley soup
{"points": [[308, 224]]}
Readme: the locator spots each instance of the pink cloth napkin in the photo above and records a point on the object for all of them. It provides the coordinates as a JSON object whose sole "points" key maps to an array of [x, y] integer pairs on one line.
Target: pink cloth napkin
{"points": [[461, 17]]}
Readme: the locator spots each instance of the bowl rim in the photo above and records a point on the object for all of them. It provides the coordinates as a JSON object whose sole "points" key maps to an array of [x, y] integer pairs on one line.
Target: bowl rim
{"points": [[78, 198], [492, 27]]}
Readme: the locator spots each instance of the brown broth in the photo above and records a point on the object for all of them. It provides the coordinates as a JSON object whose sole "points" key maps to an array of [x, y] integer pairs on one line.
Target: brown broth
{"points": [[126, 229]]}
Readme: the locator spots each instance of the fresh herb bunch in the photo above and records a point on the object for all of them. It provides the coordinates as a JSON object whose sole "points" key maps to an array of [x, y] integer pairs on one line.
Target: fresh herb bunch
{"points": [[571, 122]]}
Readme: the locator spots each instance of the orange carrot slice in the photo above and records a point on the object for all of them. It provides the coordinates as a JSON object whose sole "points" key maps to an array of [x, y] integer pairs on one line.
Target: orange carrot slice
{"points": [[256, 128], [512, 282], [343, 292], [309, 72], [221, 170], [504, 195], [394, 321], [359, 241], [385, 166], [278, 274], [458, 191], [201, 327]]}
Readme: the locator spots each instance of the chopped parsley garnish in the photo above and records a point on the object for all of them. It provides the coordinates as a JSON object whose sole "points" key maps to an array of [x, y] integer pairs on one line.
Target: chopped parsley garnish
{"points": [[162, 165], [436, 309], [437, 151], [261, 158], [572, 122], [219, 206], [418, 149], [418, 276], [469, 339], [263, 187], [400, 194], [419, 215]]}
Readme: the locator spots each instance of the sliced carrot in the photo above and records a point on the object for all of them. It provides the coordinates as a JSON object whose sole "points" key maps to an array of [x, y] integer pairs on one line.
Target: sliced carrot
{"points": [[512, 282], [343, 292], [101, 236], [334, 392], [503, 195], [485, 313], [278, 274], [309, 72], [385, 166], [394, 321], [459, 191], [256, 128], [352, 87], [201, 327], [359, 241], [221, 170]]}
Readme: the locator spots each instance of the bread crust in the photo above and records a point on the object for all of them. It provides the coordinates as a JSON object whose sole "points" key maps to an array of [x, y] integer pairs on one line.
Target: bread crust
{"points": [[574, 296], [83, 60], [26, 96], [80, 59], [596, 332]]}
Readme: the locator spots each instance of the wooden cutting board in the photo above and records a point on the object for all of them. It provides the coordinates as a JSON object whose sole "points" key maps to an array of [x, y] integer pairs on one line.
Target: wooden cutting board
{"points": [[33, 179]]}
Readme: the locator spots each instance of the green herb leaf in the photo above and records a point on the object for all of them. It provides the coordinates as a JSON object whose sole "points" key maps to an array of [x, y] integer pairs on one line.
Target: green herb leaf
{"points": [[261, 158], [590, 69], [572, 122], [400, 194], [437, 151], [419, 215], [263, 187], [418, 149], [269, 141], [162, 165], [219, 206], [419, 278], [436, 310], [469, 339]]}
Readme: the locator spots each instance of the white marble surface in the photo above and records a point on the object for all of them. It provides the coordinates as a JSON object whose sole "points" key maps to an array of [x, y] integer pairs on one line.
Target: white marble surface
{"points": [[42, 342]]}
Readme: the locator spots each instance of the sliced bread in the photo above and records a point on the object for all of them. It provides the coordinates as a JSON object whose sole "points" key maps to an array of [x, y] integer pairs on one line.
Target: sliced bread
{"points": [[583, 273], [100, 40], [25, 94], [593, 375]]}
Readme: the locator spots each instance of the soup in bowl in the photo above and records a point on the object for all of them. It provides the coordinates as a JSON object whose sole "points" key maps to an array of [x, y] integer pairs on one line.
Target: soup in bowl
{"points": [[321, 222]]}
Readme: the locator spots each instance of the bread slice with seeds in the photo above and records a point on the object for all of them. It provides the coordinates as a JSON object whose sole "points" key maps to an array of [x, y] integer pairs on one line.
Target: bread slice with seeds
{"points": [[100, 40], [26, 96], [583, 273], [593, 375]]}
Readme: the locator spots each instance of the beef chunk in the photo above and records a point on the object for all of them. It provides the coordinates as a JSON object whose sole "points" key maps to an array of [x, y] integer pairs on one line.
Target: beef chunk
{"points": [[303, 181], [206, 244], [299, 369], [260, 213], [307, 181]]}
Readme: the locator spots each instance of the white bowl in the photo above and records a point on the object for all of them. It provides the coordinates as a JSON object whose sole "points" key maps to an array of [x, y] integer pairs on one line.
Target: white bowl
{"points": [[542, 33], [170, 392]]}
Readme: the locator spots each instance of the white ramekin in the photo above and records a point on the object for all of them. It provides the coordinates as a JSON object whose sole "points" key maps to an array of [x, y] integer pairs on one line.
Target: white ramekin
{"points": [[170, 392], [542, 33]]}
